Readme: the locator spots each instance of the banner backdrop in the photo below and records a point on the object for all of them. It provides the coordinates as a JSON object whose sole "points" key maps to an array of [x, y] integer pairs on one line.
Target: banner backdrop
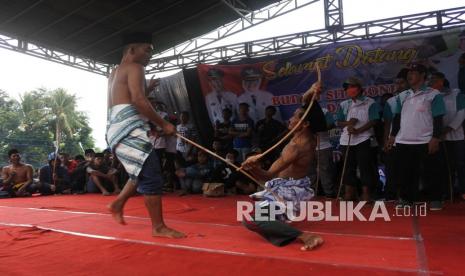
{"points": [[281, 81]]}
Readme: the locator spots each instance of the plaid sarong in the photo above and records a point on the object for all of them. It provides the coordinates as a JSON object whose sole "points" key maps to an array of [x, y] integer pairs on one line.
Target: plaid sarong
{"points": [[127, 135], [289, 190]]}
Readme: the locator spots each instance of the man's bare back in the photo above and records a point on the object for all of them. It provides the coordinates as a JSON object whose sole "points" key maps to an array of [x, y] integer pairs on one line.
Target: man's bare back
{"points": [[118, 89]]}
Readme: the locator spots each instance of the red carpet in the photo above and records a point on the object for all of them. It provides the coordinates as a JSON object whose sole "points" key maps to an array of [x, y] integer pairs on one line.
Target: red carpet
{"points": [[74, 235]]}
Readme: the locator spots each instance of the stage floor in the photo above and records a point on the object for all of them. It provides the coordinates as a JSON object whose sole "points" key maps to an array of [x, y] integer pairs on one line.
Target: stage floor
{"points": [[75, 235]]}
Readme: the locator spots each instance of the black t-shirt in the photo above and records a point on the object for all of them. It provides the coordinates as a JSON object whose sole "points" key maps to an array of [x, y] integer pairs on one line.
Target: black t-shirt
{"points": [[268, 132], [222, 132]]}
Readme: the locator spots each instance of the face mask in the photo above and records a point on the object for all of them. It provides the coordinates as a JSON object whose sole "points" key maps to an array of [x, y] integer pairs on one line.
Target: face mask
{"points": [[352, 92]]}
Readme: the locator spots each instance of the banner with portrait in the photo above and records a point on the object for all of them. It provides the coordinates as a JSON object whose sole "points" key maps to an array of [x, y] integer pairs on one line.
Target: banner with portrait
{"points": [[281, 81]]}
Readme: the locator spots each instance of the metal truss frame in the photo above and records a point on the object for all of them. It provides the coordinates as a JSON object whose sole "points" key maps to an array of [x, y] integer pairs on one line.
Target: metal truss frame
{"points": [[31, 49], [195, 51], [390, 27], [334, 17], [248, 20]]}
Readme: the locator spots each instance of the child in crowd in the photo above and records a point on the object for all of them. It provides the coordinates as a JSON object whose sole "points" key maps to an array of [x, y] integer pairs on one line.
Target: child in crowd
{"points": [[193, 177]]}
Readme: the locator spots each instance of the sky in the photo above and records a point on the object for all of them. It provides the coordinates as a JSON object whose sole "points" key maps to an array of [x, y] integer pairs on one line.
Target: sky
{"points": [[21, 73]]}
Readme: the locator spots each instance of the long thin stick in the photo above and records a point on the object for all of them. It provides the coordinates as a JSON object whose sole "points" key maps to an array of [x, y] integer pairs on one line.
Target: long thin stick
{"points": [[344, 168], [230, 164]]}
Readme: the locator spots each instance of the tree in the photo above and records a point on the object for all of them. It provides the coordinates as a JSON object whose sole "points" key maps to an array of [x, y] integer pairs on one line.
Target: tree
{"points": [[9, 121], [58, 108], [41, 118]]}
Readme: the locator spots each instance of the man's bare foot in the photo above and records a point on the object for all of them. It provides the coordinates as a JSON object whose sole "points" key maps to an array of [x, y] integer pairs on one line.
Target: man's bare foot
{"points": [[106, 193], [164, 231], [310, 241], [116, 210]]}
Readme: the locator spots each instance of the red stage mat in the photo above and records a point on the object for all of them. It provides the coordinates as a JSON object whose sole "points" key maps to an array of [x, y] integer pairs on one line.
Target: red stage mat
{"points": [[74, 235]]}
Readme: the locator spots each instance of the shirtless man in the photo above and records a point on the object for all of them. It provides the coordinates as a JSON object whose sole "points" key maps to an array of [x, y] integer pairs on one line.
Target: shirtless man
{"points": [[17, 177], [127, 132], [287, 178]]}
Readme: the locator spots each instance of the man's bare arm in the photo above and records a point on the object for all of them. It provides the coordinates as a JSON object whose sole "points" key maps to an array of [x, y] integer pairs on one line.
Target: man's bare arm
{"points": [[99, 174], [6, 176], [136, 85]]}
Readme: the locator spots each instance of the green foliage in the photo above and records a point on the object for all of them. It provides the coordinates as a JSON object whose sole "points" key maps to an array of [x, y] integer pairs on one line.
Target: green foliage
{"points": [[38, 120]]}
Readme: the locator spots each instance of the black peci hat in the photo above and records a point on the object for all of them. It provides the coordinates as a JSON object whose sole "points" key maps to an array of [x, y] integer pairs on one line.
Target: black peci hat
{"points": [[137, 37], [417, 67]]}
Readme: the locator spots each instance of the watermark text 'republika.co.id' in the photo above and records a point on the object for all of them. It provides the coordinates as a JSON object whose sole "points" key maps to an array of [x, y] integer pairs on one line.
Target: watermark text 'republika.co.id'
{"points": [[325, 211]]}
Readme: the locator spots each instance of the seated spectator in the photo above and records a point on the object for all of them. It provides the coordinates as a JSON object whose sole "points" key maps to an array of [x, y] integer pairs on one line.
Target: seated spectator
{"points": [[68, 163], [245, 185], [78, 177], [101, 177], [226, 174], [17, 177], [107, 157], [54, 178], [269, 130], [193, 177], [217, 147], [89, 154], [121, 175]]}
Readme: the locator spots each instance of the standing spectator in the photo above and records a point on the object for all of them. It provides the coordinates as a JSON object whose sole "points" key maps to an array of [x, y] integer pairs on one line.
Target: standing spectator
{"points": [[357, 115], [101, 177], [325, 157], [158, 137], [17, 177], [268, 130], [222, 129], [416, 130], [54, 178], [186, 129], [391, 188], [453, 145], [170, 155], [218, 99], [461, 73], [242, 131]]}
